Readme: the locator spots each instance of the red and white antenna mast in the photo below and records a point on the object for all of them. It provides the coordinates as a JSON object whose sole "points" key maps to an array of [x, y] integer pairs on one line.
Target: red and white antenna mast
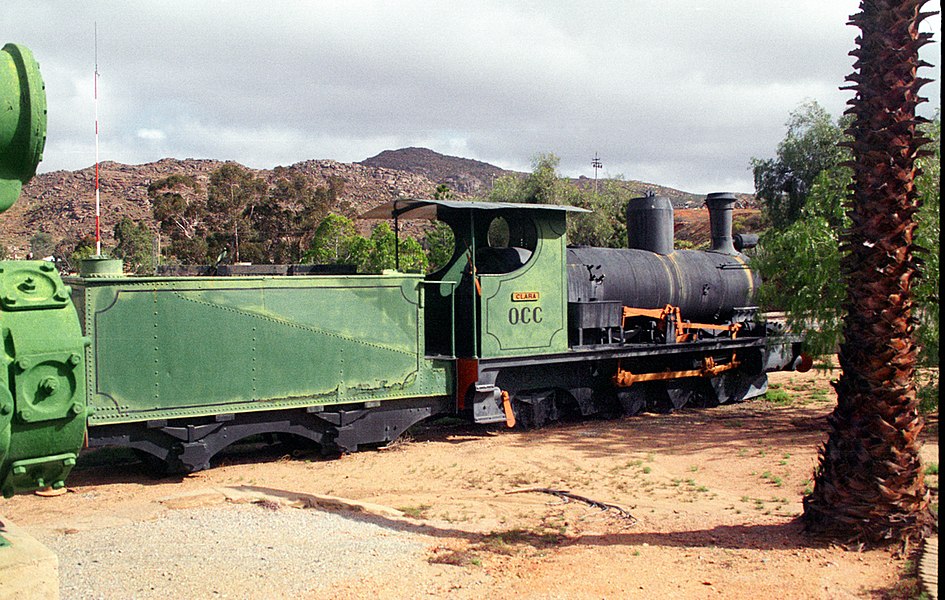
{"points": [[98, 203]]}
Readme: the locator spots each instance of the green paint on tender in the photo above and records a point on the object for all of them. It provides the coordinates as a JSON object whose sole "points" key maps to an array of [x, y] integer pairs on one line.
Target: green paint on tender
{"points": [[200, 346]]}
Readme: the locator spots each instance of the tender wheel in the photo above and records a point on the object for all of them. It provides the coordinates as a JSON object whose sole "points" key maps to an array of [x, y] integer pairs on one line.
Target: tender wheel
{"points": [[153, 465], [298, 445]]}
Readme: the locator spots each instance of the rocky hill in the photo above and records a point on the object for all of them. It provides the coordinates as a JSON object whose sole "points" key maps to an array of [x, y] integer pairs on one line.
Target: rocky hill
{"points": [[462, 175], [475, 178], [62, 203]]}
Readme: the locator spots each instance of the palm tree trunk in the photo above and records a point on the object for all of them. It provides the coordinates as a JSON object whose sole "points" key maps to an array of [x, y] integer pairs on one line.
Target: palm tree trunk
{"points": [[870, 485]]}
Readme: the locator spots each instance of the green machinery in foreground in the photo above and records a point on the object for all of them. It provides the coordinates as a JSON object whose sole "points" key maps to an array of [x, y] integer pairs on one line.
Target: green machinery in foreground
{"points": [[22, 121], [42, 379]]}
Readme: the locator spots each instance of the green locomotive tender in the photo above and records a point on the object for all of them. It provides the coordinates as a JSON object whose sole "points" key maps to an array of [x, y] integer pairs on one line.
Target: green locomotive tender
{"points": [[517, 327]]}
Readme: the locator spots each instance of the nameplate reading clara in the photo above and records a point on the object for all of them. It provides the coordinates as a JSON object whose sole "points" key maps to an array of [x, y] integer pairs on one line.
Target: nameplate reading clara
{"points": [[525, 296]]}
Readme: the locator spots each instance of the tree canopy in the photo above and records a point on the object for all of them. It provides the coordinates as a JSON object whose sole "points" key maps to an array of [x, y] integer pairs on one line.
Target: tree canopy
{"points": [[181, 217], [336, 241], [604, 226], [812, 290], [240, 215], [810, 146], [135, 246]]}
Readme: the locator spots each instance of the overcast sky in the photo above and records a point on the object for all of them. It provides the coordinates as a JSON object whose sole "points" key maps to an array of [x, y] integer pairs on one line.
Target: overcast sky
{"points": [[676, 92]]}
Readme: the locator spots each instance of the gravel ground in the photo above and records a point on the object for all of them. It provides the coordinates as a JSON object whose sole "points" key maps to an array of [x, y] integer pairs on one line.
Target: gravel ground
{"points": [[284, 552], [717, 493]]}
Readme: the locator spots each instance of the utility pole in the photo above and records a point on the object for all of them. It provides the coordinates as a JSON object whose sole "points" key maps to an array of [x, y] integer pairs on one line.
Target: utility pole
{"points": [[597, 164], [98, 200]]}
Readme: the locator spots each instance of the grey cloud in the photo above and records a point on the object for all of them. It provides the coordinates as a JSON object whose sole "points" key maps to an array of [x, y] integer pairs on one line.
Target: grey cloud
{"points": [[683, 93]]}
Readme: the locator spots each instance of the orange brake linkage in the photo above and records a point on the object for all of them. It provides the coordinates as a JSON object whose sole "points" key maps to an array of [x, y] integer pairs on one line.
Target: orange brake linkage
{"points": [[507, 405]]}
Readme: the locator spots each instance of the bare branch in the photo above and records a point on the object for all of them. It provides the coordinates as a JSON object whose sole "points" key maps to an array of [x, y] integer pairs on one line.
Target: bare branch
{"points": [[567, 496]]}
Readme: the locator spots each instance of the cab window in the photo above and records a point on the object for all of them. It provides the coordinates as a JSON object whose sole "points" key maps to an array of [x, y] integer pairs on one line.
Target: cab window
{"points": [[510, 245]]}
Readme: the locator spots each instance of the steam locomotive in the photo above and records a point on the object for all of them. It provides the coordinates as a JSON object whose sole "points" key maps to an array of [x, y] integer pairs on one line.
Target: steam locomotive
{"points": [[516, 328]]}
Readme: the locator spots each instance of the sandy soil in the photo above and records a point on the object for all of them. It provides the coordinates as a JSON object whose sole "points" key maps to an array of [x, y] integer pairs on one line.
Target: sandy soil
{"points": [[715, 494]]}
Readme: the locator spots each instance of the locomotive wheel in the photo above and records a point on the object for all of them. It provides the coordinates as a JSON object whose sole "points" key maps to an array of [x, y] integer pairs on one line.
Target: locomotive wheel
{"points": [[658, 399], [697, 393], [536, 408], [610, 406], [679, 395], [705, 396], [632, 399]]}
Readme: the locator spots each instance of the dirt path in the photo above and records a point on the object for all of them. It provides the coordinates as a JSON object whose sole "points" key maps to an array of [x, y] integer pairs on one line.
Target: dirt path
{"points": [[716, 494]]}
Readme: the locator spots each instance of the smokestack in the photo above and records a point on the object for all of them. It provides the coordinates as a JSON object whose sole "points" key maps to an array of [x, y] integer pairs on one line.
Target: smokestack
{"points": [[720, 221], [650, 224]]}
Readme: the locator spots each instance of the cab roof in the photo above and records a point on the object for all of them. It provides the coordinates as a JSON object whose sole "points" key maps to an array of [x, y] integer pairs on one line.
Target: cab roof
{"points": [[419, 208]]}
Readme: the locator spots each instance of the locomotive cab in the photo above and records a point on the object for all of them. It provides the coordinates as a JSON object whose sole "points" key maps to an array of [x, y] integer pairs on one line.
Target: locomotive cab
{"points": [[503, 292]]}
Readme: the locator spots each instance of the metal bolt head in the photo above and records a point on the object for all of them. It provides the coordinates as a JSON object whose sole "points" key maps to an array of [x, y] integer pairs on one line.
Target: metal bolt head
{"points": [[76, 408], [6, 409], [74, 359], [49, 385]]}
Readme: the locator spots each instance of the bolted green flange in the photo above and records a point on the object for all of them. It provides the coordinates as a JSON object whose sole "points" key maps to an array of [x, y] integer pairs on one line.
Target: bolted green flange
{"points": [[43, 405]]}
